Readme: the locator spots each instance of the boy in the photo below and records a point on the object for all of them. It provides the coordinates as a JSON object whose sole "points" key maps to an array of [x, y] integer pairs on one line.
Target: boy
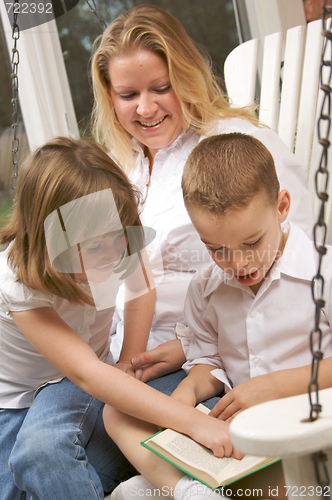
{"points": [[254, 303], [248, 313]]}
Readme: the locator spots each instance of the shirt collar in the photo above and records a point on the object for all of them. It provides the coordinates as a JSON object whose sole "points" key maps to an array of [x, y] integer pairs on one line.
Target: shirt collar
{"points": [[138, 147], [298, 259]]}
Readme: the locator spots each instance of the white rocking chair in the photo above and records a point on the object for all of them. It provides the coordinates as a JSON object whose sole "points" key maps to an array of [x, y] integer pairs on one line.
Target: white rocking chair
{"points": [[276, 428]]}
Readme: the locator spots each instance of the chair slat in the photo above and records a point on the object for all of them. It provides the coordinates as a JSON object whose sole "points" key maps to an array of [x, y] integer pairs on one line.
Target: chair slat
{"points": [[240, 71], [309, 92], [291, 84], [270, 83]]}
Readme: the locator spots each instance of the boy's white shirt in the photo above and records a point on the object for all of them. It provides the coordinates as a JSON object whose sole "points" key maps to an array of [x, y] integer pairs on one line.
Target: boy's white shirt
{"points": [[245, 335], [179, 244]]}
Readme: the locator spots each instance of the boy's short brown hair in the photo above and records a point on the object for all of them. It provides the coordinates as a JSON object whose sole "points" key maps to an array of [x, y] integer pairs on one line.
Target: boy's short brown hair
{"points": [[226, 171]]}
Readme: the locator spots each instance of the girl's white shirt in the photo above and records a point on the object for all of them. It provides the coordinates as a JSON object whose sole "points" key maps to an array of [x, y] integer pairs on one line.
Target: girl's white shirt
{"points": [[23, 370], [176, 239]]}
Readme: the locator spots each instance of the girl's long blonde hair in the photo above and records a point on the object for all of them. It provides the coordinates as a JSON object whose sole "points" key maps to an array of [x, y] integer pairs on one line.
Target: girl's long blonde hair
{"points": [[59, 172], [149, 27]]}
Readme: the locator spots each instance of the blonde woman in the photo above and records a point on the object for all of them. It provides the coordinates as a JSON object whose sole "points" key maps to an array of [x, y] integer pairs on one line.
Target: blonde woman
{"points": [[156, 97]]}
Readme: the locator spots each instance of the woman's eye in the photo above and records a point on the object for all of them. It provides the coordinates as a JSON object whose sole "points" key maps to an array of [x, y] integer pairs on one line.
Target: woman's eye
{"points": [[127, 96], [163, 90]]}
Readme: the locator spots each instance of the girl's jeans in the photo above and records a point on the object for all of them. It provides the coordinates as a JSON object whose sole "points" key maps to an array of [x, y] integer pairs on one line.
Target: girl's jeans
{"points": [[45, 448], [58, 448]]}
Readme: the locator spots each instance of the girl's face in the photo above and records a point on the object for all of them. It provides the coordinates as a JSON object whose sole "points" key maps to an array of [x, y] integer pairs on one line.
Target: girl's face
{"points": [[98, 255], [144, 101]]}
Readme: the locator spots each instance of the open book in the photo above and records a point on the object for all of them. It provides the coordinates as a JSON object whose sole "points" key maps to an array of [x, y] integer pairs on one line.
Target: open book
{"points": [[199, 462]]}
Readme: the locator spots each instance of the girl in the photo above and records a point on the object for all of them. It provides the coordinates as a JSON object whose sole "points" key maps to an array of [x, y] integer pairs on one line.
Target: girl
{"points": [[74, 237]]}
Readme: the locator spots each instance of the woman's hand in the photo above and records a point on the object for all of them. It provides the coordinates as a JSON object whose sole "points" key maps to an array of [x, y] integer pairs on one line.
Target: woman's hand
{"points": [[166, 358], [251, 392], [126, 367]]}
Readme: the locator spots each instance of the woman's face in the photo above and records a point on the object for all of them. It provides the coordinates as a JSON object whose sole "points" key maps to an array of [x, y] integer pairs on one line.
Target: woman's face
{"points": [[144, 102]]}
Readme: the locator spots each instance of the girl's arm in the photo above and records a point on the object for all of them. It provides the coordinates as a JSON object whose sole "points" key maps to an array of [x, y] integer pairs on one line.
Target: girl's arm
{"points": [[138, 314], [64, 348], [275, 385], [140, 299]]}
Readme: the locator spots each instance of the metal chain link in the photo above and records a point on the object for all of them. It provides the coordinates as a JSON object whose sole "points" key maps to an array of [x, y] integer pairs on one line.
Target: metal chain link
{"points": [[320, 230], [14, 99], [93, 7], [322, 475]]}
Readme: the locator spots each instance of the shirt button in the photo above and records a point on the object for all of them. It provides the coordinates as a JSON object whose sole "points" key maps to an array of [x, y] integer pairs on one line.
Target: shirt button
{"points": [[89, 312], [253, 313], [255, 361], [82, 329]]}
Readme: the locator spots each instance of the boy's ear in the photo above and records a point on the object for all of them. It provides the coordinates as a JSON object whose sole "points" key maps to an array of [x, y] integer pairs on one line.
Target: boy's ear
{"points": [[283, 205]]}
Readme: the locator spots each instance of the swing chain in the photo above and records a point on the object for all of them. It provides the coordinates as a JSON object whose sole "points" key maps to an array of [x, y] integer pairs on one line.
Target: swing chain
{"points": [[320, 227], [320, 230], [14, 100], [322, 475], [93, 7]]}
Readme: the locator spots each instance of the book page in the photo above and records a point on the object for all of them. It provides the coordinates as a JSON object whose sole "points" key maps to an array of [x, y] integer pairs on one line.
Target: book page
{"points": [[247, 462], [194, 454]]}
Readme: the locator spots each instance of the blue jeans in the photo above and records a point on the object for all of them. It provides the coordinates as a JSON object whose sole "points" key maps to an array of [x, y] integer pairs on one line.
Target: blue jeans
{"points": [[45, 447], [58, 448]]}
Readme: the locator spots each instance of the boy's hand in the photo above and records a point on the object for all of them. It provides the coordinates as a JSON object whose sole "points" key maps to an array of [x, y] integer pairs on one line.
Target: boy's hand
{"points": [[166, 358], [250, 393]]}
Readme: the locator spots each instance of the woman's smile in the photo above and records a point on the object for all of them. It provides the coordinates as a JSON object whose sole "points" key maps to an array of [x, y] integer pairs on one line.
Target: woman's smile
{"points": [[144, 101]]}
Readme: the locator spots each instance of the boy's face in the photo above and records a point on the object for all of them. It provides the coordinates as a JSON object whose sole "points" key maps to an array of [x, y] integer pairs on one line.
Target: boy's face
{"points": [[245, 242]]}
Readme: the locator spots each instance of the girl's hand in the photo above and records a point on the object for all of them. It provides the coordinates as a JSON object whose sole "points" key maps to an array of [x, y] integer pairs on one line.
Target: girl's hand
{"points": [[214, 436], [251, 392]]}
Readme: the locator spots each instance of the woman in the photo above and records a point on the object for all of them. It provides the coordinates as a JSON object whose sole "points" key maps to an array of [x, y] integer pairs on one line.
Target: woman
{"points": [[155, 98]]}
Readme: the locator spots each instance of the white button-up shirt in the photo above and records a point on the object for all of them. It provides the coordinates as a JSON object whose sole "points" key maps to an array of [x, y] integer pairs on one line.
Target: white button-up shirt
{"points": [[177, 241], [244, 335]]}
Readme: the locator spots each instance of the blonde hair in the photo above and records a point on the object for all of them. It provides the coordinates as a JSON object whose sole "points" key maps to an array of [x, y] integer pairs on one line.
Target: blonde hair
{"points": [[149, 27], [59, 172], [224, 172]]}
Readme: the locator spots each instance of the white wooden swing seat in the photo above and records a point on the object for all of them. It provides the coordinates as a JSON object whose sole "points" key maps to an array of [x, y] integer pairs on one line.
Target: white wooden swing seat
{"points": [[276, 428]]}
